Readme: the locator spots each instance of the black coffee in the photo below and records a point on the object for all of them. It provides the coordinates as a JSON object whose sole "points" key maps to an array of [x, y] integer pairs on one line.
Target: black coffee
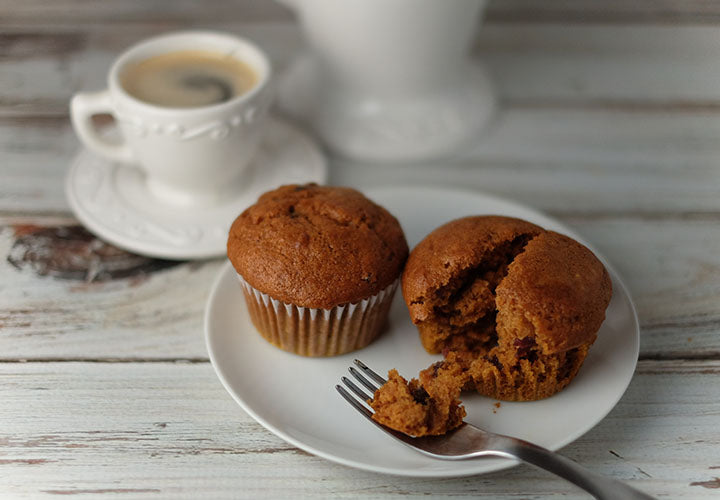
{"points": [[188, 79]]}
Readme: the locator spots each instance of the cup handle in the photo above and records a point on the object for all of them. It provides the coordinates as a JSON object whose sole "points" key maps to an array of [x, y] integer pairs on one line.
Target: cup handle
{"points": [[83, 107]]}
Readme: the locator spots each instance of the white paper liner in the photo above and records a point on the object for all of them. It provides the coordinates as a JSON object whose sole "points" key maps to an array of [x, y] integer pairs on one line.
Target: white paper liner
{"points": [[318, 332]]}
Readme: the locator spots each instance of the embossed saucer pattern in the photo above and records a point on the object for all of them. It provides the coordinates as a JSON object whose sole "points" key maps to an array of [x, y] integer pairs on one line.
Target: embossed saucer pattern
{"points": [[112, 200]]}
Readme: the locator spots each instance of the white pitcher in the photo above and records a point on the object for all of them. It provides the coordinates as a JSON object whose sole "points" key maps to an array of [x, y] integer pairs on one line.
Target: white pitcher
{"points": [[389, 79]]}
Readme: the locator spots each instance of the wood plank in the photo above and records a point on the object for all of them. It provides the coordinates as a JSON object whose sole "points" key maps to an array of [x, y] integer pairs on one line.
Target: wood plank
{"points": [[565, 161], [570, 161], [607, 12], [578, 65], [170, 430], [582, 116], [77, 12], [34, 157], [159, 315], [677, 297], [672, 267], [161, 12], [42, 69], [633, 67]]}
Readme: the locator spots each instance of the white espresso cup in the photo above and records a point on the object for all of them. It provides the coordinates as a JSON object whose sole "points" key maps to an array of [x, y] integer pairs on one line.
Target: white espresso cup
{"points": [[190, 155]]}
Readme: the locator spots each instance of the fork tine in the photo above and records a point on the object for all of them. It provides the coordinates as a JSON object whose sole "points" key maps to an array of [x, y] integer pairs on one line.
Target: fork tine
{"points": [[368, 385], [354, 402], [377, 378], [358, 392]]}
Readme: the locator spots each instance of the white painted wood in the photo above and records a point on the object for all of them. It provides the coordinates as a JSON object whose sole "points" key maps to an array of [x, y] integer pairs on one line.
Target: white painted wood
{"points": [[609, 121], [668, 264], [575, 63], [169, 430], [570, 161], [583, 116], [607, 11], [158, 316], [34, 157], [565, 161], [42, 69], [533, 65], [76, 13], [79, 12]]}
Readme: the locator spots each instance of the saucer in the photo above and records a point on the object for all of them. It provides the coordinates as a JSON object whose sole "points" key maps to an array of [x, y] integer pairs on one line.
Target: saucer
{"points": [[113, 201]]}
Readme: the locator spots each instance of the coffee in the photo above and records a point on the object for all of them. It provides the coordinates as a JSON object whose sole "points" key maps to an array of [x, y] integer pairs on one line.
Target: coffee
{"points": [[188, 79]]}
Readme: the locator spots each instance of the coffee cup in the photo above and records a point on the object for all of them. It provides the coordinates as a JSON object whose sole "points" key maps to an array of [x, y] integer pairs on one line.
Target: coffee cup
{"points": [[190, 109]]}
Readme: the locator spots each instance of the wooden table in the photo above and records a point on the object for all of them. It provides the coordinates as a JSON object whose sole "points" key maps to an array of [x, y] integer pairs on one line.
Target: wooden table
{"points": [[609, 122]]}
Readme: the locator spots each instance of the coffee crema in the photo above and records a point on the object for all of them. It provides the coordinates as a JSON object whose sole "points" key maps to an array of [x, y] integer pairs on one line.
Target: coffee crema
{"points": [[188, 79]]}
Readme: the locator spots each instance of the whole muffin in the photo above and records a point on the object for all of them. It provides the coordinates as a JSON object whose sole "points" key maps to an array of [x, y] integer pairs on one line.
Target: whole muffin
{"points": [[516, 305], [319, 267]]}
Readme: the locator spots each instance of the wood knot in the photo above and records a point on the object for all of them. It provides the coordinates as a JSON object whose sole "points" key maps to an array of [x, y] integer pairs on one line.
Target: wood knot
{"points": [[72, 253]]}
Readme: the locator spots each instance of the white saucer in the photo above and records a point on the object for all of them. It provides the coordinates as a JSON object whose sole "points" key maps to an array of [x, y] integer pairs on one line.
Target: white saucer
{"points": [[295, 397], [112, 200]]}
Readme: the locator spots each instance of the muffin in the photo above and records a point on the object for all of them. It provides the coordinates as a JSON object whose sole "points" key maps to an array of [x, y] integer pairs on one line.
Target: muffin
{"points": [[450, 280], [512, 307], [522, 304], [319, 266]]}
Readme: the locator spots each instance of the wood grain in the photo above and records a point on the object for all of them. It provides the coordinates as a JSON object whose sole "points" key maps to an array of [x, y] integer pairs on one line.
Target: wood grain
{"points": [[606, 12], [610, 121], [165, 429], [167, 13], [148, 316], [72, 253], [585, 112], [665, 262], [564, 161], [173, 12], [537, 66]]}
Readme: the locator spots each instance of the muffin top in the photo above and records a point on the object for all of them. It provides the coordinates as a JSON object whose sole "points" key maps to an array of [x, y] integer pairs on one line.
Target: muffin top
{"points": [[453, 252], [317, 246], [541, 284], [560, 288]]}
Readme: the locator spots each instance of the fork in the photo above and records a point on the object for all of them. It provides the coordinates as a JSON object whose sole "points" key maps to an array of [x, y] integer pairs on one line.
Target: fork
{"points": [[468, 441]]}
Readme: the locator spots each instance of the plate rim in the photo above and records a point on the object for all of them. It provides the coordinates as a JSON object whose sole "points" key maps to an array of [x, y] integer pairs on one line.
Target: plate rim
{"points": [[501, 465]]}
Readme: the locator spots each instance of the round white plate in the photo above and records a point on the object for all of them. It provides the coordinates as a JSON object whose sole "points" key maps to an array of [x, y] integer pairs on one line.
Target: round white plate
{"points": [[112, 200], [295, 397]]}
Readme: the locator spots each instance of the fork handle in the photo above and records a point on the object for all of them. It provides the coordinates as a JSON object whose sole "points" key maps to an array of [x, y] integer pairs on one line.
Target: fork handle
{"points": [[598, 486]]}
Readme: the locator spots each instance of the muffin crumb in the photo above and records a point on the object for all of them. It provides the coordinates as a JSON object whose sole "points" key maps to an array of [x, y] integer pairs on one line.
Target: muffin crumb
{"points": [[413, 409]]}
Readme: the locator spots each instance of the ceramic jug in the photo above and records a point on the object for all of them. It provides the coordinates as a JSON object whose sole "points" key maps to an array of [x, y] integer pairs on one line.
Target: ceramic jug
{"points": [[389, 80]]}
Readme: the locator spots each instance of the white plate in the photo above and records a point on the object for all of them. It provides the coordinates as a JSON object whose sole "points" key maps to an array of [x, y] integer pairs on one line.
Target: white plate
{"points": [[112, 200], [295, 397]]}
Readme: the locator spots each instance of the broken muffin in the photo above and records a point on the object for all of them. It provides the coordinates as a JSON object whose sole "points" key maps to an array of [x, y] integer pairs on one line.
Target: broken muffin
{"points": [[450, 279], [521, 304], [512, 307]]}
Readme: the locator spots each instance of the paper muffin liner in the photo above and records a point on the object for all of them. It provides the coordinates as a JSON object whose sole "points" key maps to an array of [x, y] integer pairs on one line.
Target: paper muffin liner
{"points": [[318, 332]]}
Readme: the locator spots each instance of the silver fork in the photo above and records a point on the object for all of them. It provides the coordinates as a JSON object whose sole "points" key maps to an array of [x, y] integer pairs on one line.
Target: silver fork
{"points": [[468, 441]]}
